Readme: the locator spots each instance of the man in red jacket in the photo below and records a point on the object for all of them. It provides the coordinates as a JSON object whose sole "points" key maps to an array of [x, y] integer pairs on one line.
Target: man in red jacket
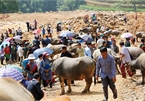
{"points": [[7, 53]]}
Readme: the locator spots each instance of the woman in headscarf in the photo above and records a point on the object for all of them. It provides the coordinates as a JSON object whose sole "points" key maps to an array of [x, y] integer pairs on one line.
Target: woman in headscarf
{"points": [[127, 42], [45, 71]]}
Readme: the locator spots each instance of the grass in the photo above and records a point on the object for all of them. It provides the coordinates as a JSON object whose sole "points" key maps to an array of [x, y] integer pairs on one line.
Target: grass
{"points": [[101, 8]]}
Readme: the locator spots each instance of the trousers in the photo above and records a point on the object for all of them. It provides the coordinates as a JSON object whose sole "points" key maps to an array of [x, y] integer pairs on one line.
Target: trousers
{"points": [[124, 69], [107, 81]]}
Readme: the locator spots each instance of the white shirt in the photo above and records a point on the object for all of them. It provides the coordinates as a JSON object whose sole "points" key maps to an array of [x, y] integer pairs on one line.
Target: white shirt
{"points": [[2, 54], [97, 30], [69, 27], [51, 30], [19, 30], [38, 61], [99, 42], [87, 52], [126, 57], [102, 28], [20, 51], [13, 31]]}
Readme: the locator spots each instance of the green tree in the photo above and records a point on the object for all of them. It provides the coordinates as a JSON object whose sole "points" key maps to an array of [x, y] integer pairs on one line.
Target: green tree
{"points": [[67, 5], [37, 5], [135, 4], [49, 5], [7, 6], [24, 6]]}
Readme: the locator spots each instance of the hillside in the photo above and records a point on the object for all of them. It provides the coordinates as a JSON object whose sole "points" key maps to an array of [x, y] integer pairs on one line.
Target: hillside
{"points": [[108, 3], [97, 3]]}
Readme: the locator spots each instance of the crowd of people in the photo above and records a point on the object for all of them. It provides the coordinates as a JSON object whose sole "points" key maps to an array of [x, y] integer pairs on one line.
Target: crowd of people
{"points": [[39, 71]]}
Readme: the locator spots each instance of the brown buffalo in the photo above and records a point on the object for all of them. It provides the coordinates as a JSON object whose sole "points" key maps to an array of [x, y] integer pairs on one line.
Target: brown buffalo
{"points": [[139, 63], [139, 35], [74, 69], [59, 98], [13, 91]]}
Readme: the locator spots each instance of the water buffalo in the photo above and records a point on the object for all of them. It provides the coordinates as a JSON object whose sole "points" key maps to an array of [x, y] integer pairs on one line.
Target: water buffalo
{"points": [[139, 35], [56, 48], [74, 69], [139, 63], [58, 56], [111, 32], [55, 41], [135, 52], [13, 91], [115, 32], [87, 29], [73, 47], [59, 98]]}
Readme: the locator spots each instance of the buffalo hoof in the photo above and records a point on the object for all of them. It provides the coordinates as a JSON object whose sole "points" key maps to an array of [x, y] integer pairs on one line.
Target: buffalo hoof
{"points": [[142, 83], [84, 91], [68, 91], [95, 82], [62, 93], [118, 73]]}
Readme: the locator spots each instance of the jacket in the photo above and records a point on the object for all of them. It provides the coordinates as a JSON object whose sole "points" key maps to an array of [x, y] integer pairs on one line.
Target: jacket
{"points": [[66, 54], [34, 87]]}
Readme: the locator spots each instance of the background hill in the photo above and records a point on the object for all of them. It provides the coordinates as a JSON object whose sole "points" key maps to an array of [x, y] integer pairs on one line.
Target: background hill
{"points": [[115, 5], [30, 6]]}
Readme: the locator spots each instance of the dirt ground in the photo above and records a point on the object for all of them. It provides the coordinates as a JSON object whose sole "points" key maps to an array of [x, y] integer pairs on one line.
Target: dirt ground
{"points": [[128, 89]]}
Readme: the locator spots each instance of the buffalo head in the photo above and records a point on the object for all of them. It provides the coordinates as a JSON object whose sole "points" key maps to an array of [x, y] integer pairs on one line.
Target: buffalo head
{"points": [[131, 66]]}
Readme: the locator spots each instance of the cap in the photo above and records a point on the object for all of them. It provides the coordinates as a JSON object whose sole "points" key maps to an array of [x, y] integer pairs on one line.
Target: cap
{"points": [[63, 47]]}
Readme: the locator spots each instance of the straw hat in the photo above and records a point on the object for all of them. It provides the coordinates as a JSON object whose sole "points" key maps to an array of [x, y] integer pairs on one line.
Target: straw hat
{"points": [[31, 57], [93, 42]]}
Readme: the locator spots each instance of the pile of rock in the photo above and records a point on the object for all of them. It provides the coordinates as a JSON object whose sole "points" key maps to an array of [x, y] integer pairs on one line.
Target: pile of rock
{"points": [[117, 22], [111, 21]]}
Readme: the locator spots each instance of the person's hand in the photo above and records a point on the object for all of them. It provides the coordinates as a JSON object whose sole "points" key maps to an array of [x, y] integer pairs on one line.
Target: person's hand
{"points": [[47, 70], [114, 79], [97, 78], [120, 59], [44, 97]]}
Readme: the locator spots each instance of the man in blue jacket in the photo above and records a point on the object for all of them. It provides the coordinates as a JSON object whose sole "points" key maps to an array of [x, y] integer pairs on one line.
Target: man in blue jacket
{"points": [[34, 87], [47, 41], [105, 67]]}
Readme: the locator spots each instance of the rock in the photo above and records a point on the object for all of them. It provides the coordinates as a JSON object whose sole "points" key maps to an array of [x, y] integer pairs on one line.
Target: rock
{"points": [[112, 23]]}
